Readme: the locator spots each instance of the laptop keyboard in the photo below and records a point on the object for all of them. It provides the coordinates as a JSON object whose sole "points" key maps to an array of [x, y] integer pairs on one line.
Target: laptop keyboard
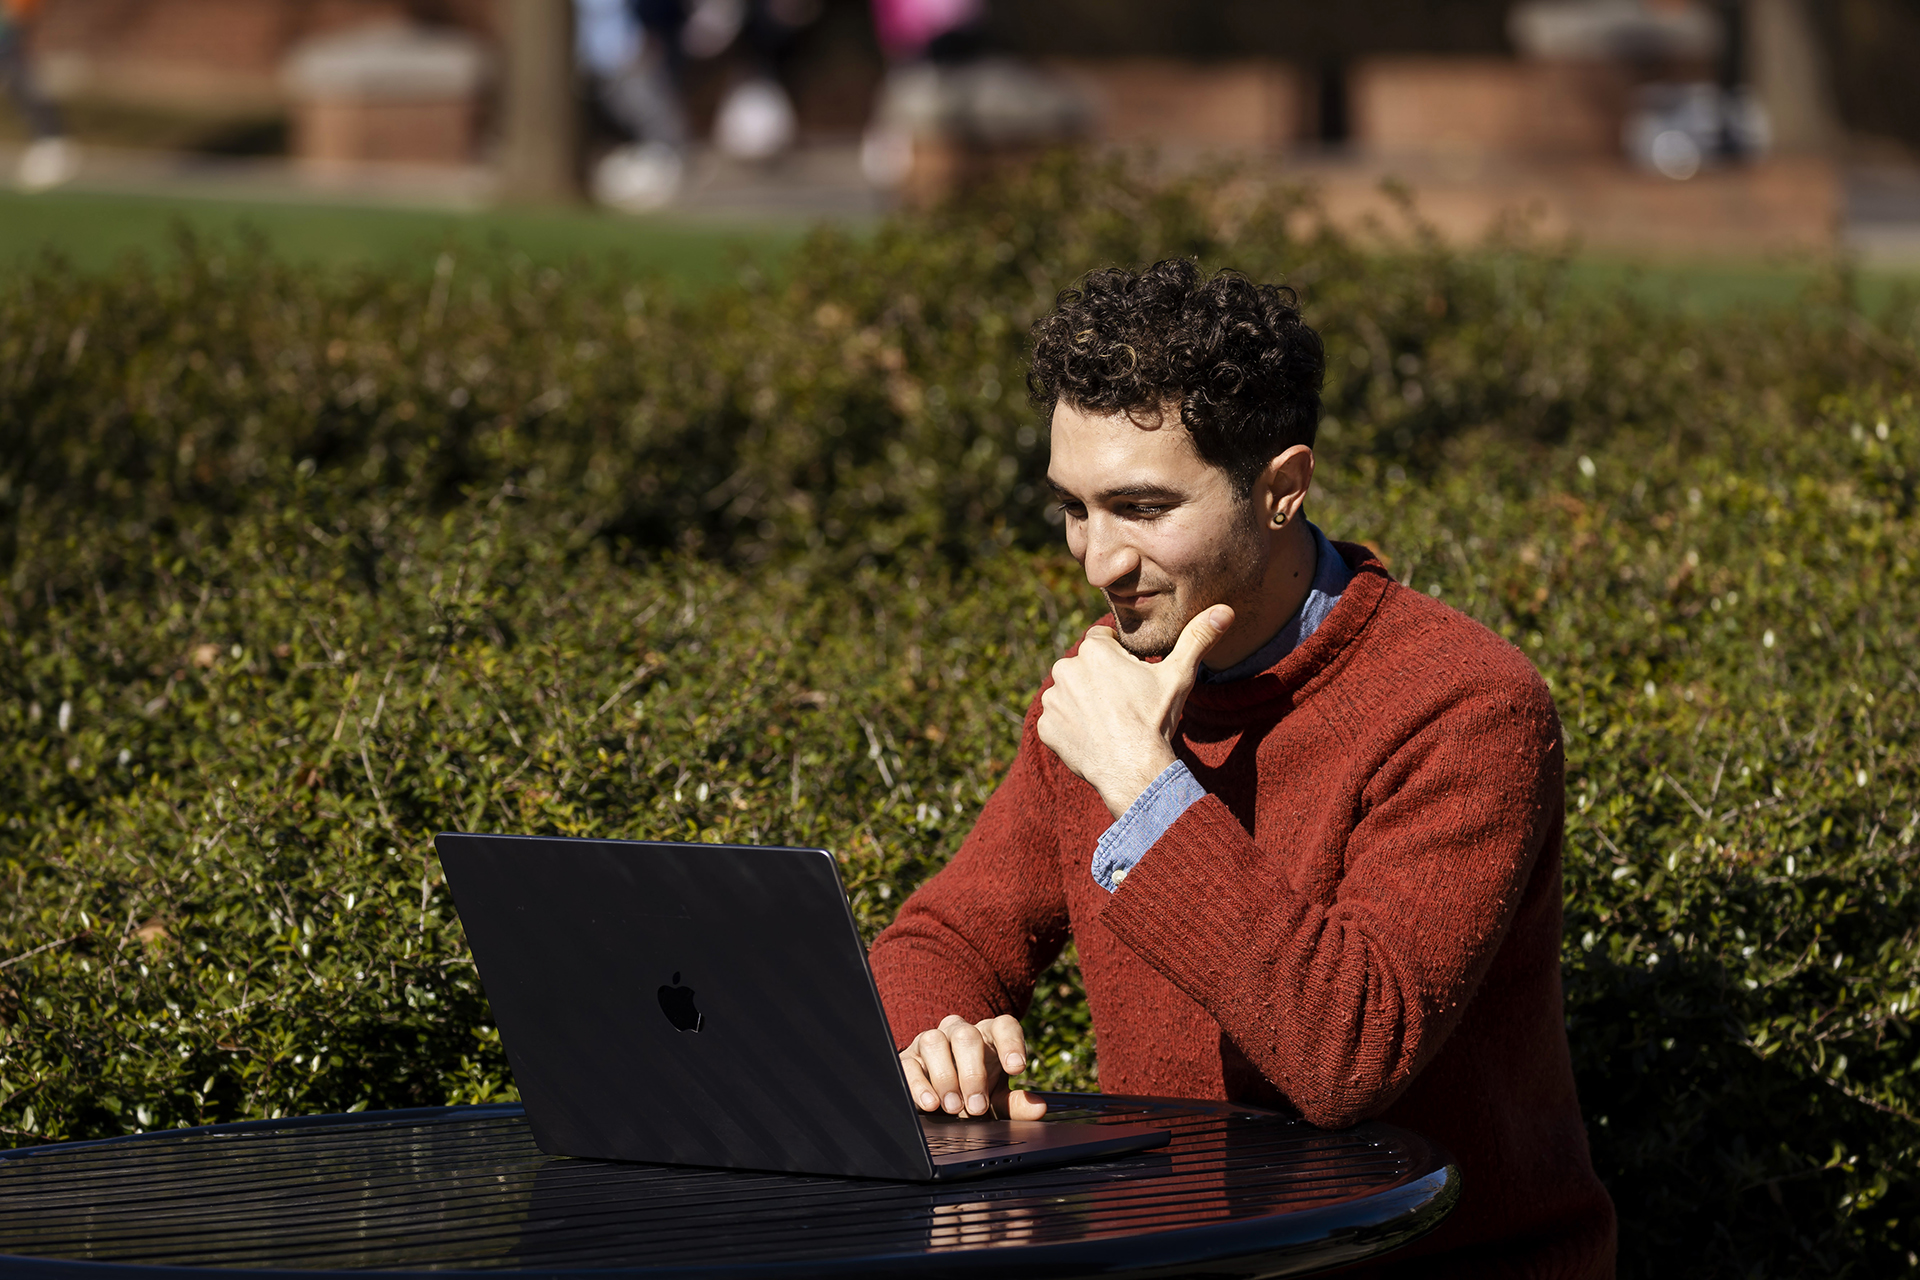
{"points": [[945, 1144]]}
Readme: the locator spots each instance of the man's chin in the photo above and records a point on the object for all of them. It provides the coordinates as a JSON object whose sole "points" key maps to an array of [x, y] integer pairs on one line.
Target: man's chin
{"points": [[1143, 639]]}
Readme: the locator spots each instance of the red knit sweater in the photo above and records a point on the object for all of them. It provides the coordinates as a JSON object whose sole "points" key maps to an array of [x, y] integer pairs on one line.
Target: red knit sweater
{"points": [[1360, 920]]}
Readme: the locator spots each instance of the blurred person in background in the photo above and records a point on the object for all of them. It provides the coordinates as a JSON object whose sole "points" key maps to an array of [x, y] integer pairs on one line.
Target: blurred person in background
{"points": [[48, 160], [635, 54], [946, 90], [942, 30], [756, 121], [629, 51], [912, 33]]}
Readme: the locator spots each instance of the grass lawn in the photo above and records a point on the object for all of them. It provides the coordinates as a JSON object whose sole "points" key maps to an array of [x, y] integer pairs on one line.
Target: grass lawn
{"points": [[93, 231], [1707, 287]]}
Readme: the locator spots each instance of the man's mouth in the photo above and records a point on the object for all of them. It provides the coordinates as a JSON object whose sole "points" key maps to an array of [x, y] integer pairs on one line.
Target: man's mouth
{"points": [[1129, 600]]}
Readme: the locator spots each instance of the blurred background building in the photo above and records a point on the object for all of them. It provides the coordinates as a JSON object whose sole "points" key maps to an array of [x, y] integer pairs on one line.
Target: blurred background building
{"points": [[1727, 125]]}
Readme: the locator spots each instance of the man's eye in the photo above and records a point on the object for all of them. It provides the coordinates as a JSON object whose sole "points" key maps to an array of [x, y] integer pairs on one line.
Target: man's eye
{"points": [[1145, 511], [1073, 509]]}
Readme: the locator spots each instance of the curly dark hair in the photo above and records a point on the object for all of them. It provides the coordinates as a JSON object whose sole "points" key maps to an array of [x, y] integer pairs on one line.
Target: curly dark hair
{"points": [[1234, 354]]}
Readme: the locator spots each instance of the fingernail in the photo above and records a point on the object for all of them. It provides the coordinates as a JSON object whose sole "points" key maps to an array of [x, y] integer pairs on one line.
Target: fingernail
{"points": [[928, 1101], [953, 1103], [1016, 1063], [977, 1104]]}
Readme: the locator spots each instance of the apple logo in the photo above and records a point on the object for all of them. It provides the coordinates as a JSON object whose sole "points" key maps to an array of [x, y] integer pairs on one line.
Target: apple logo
{"points": [[676, 1002]]}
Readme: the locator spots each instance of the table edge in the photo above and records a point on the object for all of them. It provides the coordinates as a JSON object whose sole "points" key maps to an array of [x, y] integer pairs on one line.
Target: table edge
{"points": [[1246, 1247]]}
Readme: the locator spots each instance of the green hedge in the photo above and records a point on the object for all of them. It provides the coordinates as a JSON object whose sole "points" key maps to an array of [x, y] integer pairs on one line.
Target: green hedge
{"points": [[303, 567], [869, 401]]}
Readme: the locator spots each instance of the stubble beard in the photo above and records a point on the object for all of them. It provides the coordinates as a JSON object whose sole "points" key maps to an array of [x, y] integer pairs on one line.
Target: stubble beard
{"points": [[1232, 576]]}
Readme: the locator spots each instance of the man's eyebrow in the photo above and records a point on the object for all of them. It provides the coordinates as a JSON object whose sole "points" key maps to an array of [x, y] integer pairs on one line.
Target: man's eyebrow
{"points": [[1138, 489]]}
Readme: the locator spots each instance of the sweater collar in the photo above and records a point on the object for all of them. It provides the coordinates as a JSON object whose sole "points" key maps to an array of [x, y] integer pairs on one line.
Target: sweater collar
{"points": [[1326, 648]]}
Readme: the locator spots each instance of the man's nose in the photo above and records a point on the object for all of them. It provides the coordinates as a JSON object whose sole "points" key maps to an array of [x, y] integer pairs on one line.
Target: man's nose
{"points": [[1110, 554]]}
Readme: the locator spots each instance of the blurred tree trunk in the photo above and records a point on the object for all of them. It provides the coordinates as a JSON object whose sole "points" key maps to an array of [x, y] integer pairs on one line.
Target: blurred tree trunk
{"points": [[539, 110], [1787, 67]]}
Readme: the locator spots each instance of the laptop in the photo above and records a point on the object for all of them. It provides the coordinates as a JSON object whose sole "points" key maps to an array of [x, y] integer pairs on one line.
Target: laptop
{"points": [[708, 1004]]}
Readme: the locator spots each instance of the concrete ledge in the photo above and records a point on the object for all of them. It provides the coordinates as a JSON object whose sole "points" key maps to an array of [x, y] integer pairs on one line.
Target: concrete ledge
{"points": [[1783, 205]]}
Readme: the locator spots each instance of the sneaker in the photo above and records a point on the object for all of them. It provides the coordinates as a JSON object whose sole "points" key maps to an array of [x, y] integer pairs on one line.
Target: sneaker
{"points": [[640, 178], [47, 163], [756, 122]]}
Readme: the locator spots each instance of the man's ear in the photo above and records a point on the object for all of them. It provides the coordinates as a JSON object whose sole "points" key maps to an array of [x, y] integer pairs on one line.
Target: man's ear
{"points": [[1281, 489]]}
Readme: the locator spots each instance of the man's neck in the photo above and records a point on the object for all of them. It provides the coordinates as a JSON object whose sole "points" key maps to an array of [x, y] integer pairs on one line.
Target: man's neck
{"points": [[1291, 558]]}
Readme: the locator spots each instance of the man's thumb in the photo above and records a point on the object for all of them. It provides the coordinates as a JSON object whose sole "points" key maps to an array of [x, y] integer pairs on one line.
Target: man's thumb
{"points": [[1207, 626]]}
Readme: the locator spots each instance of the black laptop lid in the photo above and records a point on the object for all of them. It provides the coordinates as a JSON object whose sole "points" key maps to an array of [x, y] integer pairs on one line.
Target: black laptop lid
{"points": [[787, 1062]]}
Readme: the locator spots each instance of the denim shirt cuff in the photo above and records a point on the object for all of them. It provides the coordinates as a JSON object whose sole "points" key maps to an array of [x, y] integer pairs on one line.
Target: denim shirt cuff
{"points": [[1144, 822]]}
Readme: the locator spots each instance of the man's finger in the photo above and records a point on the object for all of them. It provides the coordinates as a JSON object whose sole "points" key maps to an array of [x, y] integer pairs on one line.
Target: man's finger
{"points": [[918, 1086], [1009, 1042], [1207, 626], [1018, 1104], [1022, 1105], [1100, 640], [970, 1062], [937, 1056]]}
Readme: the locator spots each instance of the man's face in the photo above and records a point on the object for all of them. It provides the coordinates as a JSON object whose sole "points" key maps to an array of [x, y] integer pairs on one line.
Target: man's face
{"points": [[1158, 530]]}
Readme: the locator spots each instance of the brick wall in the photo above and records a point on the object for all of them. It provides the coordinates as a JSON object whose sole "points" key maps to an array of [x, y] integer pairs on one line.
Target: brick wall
{"points": [[216, 54], [1244, 106], [1416, 105]]}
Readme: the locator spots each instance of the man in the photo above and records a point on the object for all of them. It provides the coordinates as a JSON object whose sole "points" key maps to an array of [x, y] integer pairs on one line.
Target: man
{"points": [[1310, 856]]}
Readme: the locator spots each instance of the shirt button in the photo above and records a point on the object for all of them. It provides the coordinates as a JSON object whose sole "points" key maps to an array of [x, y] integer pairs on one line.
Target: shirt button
{"points": [[1119, 874]]}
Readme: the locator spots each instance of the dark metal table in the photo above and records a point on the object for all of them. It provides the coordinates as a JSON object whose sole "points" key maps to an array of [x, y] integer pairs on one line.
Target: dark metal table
{"points": [[1239, 1192]]}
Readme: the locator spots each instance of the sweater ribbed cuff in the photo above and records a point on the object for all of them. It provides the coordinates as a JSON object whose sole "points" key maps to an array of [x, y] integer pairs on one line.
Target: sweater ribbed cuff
{"points": [[1199, 859], [1144, 822]]}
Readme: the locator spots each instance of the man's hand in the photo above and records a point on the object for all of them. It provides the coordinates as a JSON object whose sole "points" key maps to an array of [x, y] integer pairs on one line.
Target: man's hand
{"points": [[1110, 717], [961, 1065]]}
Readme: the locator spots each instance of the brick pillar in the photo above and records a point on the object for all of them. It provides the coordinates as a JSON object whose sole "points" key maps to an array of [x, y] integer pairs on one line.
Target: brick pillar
{"points": [[539, 108]]}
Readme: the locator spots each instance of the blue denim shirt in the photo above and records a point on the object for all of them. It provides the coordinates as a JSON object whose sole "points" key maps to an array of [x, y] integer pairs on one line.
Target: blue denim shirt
{"points": [[1168, 795]]}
